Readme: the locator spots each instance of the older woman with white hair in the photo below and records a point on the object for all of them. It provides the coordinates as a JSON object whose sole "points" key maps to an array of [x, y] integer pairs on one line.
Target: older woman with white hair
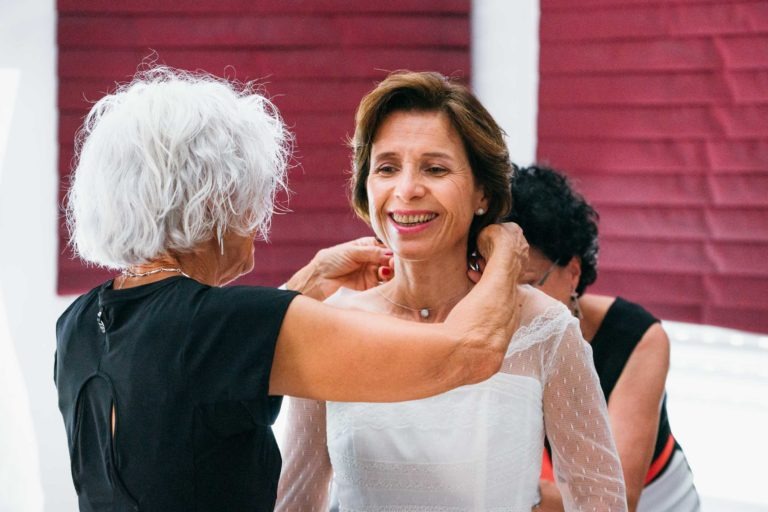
{"points": [[169, 383]]}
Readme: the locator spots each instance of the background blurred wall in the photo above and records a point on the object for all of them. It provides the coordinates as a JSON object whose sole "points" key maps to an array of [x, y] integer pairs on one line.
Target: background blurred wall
{"points": [[660, 109]]}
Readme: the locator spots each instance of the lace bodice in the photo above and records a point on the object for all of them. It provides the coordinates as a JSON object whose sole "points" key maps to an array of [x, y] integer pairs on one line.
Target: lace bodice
{"points": [[475, 448]]}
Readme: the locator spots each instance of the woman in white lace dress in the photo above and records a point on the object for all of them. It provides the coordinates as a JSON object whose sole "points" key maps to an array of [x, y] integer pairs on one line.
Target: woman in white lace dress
{"points": [[431, 169]]}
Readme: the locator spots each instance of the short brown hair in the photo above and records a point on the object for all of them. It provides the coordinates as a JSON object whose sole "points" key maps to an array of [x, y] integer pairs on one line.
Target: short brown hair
{"points": [[428, 91]]}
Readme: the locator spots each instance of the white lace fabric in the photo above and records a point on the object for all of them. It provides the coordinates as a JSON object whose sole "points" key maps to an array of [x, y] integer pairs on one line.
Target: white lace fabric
{"points": [[475, 448]]}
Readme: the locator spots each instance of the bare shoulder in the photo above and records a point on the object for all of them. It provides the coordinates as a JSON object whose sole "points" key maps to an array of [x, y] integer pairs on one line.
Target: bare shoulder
{"points": [[655, 339], [596, 306]]}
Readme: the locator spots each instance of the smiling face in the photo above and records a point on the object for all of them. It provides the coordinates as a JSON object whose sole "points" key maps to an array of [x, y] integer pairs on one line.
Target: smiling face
{"points": [[421, 191]]}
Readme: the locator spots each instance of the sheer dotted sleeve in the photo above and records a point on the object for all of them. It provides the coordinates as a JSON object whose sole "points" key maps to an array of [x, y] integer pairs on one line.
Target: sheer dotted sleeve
{"points": [[306, 474], [587, 467]]}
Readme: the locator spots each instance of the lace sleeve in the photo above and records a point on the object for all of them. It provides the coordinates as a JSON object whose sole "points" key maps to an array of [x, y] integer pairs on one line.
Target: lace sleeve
{"points": [[306, 473], [586, 464]]}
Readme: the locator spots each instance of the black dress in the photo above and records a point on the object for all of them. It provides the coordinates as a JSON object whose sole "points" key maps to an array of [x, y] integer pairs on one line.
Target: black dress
{"points": [[669, 482], [186, 368], [623, 327]]}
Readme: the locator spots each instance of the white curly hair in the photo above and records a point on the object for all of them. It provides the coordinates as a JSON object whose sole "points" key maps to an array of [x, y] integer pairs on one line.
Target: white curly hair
{"points": [[171, 160]]}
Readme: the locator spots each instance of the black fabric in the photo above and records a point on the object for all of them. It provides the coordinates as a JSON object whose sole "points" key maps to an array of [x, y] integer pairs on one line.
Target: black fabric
{"points": [[187, 368], [623, 327]]}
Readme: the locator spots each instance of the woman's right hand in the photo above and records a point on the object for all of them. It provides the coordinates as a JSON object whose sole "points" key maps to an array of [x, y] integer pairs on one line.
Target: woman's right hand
{"points": [[357, 265], [507, 239]]}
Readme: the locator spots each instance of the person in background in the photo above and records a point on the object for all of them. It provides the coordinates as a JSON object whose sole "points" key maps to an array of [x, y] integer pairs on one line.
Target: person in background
{"points": [[629, 345], [169, 383], [431, 168]]}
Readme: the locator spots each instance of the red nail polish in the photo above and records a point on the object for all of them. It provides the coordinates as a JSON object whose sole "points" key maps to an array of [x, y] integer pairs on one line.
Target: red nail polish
{"points": [[385, 271]]}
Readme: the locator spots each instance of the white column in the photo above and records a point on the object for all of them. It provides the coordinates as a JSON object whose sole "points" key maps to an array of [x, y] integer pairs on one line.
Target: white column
{"points": [[20, 487], [28, 259], [505, 69]]}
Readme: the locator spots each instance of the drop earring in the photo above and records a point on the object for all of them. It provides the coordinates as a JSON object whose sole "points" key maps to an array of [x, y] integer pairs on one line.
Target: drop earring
{"points": [[575, 306]]}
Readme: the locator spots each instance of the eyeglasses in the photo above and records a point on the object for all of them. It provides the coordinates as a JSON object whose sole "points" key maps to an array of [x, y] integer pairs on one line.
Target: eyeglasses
{"points": [[543, 279]]}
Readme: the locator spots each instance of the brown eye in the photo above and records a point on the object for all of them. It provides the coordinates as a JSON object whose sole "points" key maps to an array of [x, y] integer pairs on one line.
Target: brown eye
{"points": [[436, 170], [385, 170]]}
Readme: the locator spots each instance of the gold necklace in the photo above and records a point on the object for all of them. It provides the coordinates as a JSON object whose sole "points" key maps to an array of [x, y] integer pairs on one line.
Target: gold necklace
{"points": [[128, 273]]}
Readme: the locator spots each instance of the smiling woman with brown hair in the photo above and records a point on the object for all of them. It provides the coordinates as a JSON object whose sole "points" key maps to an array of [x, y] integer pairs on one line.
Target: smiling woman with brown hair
{"points": [[431, 169]]}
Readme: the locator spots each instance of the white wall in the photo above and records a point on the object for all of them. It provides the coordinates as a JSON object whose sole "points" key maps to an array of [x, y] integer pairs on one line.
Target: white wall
{"points": [[28, 230], [505, 69], [717, 389]]}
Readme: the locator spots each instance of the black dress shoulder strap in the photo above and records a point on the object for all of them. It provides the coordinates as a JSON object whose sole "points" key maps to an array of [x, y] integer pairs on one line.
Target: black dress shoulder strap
{"points": [[623, 327]]}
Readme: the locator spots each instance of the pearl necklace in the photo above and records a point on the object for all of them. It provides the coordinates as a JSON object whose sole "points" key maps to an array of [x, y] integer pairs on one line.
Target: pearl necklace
{"points": [[423, 312]]}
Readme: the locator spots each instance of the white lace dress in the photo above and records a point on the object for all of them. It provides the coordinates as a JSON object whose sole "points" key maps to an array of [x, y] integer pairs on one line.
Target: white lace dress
{"points": [[475, 448]]}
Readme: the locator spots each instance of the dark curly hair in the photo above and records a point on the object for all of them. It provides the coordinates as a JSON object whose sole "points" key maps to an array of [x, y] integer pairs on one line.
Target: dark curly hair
{"points": [[556, 219]]}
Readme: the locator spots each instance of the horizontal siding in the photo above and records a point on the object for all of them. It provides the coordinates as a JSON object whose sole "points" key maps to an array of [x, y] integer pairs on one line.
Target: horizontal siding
{"points": [[645, 20], [278, 31], [656, 122], [315, 60], [682, 88], [665, 54], [335, 63], [328, 95], [566, 5], [662, 190], [658, 110], [270, 7]]}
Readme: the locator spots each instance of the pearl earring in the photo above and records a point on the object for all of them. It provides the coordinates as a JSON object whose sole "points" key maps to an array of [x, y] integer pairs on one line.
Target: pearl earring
{"points": [[479, 211]]}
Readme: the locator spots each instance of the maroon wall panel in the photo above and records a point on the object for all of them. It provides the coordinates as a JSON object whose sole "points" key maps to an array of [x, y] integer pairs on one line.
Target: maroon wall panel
{"points": [[316, 60], [659, 110]]}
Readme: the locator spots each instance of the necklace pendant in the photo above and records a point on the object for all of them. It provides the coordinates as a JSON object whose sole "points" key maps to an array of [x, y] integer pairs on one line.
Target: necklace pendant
{"points": [[424, 313]]}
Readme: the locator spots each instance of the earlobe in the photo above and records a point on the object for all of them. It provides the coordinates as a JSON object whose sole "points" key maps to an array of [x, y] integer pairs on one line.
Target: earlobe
{"points": [[483, 206], [574, 270]]}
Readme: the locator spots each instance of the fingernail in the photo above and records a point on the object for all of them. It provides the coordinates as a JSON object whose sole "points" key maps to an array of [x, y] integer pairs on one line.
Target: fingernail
{"points": [[389, 253], [385, 271]]}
